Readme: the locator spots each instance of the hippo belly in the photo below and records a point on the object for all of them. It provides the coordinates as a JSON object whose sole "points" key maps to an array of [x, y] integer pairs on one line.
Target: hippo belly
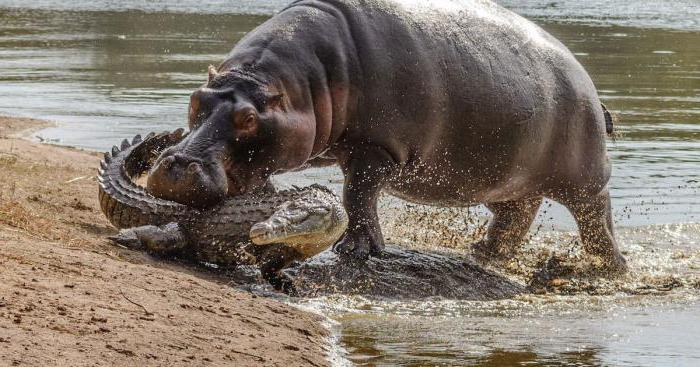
{"points": [[471, 179]]}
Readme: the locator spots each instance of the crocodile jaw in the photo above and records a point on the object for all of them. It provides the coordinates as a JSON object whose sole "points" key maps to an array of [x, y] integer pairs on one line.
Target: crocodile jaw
{"points": [[308, 225]]}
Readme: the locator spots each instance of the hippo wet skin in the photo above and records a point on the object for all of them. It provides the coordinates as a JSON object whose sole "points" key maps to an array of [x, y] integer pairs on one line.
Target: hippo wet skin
{"points": [[438, 102]]}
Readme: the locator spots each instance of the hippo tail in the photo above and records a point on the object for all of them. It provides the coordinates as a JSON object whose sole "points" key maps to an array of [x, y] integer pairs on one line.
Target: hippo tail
{"points": [[609, 122]]}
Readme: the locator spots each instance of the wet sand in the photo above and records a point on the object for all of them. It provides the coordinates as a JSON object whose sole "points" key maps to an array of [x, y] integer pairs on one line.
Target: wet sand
{"points": [[70, 298]]}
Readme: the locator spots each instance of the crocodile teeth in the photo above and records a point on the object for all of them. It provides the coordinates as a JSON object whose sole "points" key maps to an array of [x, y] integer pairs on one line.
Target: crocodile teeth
{"points": [[100, 172], [103, 165], [115, 151], [136, 140], [125, 144]]}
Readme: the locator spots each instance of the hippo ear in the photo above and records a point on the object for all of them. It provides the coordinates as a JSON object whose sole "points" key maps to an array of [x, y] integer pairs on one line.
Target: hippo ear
{"points": [[212, 73]]}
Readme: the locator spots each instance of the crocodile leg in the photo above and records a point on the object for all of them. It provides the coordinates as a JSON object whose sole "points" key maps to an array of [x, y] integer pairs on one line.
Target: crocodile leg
{"points": [[158, 240]]}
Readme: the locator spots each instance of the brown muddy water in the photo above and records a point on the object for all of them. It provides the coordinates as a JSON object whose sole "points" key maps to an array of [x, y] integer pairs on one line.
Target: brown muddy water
{"points": [[105, 71]]}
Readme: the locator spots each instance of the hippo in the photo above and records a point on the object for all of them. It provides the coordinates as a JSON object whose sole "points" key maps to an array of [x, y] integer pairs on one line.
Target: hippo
{"points": [[446, 103]]}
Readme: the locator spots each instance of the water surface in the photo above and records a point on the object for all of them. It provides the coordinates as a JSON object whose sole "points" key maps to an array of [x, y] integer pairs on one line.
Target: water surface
{"points": [[107, 70]]}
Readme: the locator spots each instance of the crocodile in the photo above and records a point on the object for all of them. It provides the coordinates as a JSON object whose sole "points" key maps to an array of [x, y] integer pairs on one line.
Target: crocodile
{"points": [[270, 228]]}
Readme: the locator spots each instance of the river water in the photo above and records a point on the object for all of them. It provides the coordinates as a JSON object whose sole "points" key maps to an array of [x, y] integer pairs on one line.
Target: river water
{"points": [[106, 70]]}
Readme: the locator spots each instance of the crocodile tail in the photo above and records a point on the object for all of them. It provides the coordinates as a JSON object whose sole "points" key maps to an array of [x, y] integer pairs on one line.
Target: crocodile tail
{"points": [[124, 203], [609, 121]]}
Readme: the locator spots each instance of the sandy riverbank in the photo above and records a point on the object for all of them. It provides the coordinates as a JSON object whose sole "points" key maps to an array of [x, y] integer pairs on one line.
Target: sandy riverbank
{"points": [[70, 298]]}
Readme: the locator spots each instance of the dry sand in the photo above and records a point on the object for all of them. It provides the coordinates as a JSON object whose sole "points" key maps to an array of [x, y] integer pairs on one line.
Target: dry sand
{"points": [[70, 298]]}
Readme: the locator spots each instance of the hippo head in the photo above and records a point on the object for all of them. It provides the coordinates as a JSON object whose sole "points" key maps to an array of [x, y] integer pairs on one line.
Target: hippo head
{"points": [[240, 134]]}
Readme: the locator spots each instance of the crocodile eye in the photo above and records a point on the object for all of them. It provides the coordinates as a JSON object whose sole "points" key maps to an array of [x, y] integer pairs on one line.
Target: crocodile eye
{"points": [[321, 210]]}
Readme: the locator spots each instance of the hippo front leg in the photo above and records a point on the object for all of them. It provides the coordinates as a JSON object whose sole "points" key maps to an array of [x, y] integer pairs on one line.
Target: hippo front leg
{"points": [[366, 173]]}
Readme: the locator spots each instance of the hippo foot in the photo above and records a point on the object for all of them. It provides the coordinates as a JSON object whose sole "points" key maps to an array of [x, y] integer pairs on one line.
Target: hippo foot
{"points": [[619, 266], [353, 248], [359, 246], [556, 268], [488, 253]]}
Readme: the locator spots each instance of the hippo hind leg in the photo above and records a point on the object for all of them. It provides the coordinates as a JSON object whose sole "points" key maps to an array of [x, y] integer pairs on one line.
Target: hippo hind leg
{"points": [[511, 222], [593, 215]]}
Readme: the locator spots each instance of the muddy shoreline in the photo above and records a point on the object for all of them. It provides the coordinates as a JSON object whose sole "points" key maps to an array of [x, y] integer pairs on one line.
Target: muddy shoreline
{"points": [[69, 297]]}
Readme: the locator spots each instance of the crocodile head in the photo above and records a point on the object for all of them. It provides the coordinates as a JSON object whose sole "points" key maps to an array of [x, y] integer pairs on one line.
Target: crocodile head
{"points": [[308, 224]]}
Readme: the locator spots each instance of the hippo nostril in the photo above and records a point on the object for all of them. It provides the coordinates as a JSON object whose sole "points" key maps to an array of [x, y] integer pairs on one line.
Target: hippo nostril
{"points": [[167, 162], [193, 167]]}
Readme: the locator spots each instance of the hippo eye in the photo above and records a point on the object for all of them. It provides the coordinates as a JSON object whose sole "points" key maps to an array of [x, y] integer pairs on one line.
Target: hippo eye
{"points": [[245, 122]]}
